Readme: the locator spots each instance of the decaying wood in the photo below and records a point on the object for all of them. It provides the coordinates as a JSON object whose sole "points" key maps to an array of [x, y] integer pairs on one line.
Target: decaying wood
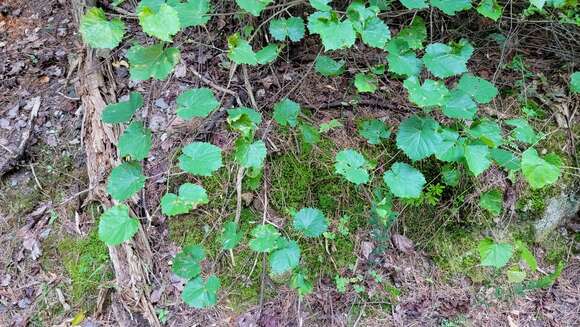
{"points": [[132, 261]]}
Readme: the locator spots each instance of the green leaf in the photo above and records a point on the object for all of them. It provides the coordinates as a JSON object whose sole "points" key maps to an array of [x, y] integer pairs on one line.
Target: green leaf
{"points": [[526, 255], [135, 141], [254, 7], [352, 166], [162, 23], [125, 180], [414, 4], [230, 237], [151, 62], [486, 131], [329, 67], [374, 131], [311, 222], [415, 34], [445, 61], [505, 159], [523, 132], [240, 51], [459, 105], [538, 3], [193, 195], [201, 295], [401, 60], [301, 284], [264, 238], [450, 176], [418, 137], [494, 254], [547, 280], [122, 111], [365, 83], [192, 12], [173, 205], [575, 82], [186, 263], [293, 28], [516, 276], [196, 103], [267, 54], [477, 158], [404, 181], [201, 159], [309, 134], [451, 7], [286, 112], [375, 33], [116, 226], [335, 34], [331, 124], [250, 155], [490, 9], [431, 93], [481, 90], [451, 149], [492, 201], [98, 32], [321, 5], [285, 258], [254, 116], [538, 171]]}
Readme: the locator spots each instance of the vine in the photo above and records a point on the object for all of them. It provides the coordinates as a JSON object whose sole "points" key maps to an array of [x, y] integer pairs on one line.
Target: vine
{"points": [[469, 139]]}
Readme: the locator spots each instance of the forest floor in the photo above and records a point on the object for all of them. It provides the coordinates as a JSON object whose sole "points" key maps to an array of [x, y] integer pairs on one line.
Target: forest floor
{"points": [[55, 272]]}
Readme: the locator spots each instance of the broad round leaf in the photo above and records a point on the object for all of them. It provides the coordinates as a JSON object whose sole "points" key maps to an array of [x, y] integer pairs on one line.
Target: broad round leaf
{"points": [[122, 111], [200, 294], [250, 155], [477, 157], [365, 83], [125, 180], [240, 51], [494, 254], [459, 105], [402, 60], [450, 7], [172, 205], [286, 112], [98, 32], [352, 165], [321, 5], [293, 28], [481, 90], [575, 82], [523, 132], [254, 116], [505, 159], [414, 4], [116, 226], [135, 141], [329, 67], [490, 9], [186, 262], [196, 103], [230, 236], [487, 131], [192, 12], [431, 93], [193, 194], [201, 159], [267, 54], [375, 33], [264, 238], [254, 7], [310, 221], [374, 131], [404, 181], [445, 61], [151, 62], [415, 34], [285, 258], [492, 201], [418, 137], [162, 23], [540, 172]]}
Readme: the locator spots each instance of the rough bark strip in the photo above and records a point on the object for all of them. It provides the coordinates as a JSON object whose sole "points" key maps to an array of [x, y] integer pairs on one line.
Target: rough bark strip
{"points": [[132, 261]]}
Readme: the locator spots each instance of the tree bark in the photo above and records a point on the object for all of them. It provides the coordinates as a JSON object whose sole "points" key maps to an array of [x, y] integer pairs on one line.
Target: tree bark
{"points": [[132, 260]]}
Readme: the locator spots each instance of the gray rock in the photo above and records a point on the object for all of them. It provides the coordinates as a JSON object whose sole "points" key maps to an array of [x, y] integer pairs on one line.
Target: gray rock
{"points": [[559, 209]]}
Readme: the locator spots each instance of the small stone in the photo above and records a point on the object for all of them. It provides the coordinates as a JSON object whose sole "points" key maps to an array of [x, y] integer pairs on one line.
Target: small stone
{"points": [[160, 103], [4, 123]]}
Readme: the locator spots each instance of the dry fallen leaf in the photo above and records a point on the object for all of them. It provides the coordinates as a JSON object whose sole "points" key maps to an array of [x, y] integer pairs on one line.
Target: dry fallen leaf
{"points": [[402, 243]]}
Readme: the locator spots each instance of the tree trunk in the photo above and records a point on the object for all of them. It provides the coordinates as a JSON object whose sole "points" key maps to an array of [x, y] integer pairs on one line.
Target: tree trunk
{"points": [[132, 260]]}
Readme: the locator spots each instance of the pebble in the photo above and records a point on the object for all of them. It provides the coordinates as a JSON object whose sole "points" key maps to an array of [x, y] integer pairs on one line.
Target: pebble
{"points": [[4, 123], [160, 103]]}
